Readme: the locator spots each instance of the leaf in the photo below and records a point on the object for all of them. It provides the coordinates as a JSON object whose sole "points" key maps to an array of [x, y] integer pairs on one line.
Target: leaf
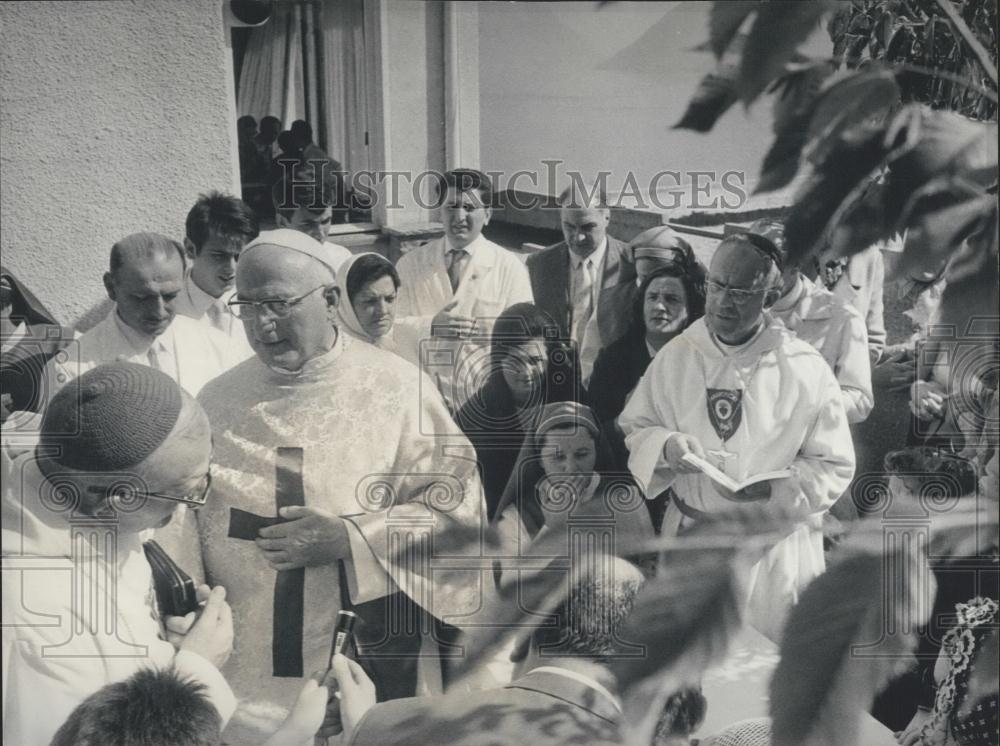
{"points": [[781, 162], [797, 90], [864, 223], [725, 19], [857, 100], [685, 618], [847, 168], [938, 219], [778, 30], [947, 144], [973, 279], [840, 646], [715, 94]]}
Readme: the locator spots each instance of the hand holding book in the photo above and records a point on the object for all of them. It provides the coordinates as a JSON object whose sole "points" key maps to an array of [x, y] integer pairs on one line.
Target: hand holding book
{"points": [[756, 487]]}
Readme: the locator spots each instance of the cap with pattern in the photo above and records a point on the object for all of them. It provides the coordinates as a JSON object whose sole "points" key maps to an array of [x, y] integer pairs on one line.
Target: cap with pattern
{"points": [[118, 414]]}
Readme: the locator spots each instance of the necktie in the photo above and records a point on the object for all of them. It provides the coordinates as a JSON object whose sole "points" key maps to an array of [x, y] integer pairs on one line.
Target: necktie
{"points": [[161, 359], [583, 299], [217, 316], [456, 266]]}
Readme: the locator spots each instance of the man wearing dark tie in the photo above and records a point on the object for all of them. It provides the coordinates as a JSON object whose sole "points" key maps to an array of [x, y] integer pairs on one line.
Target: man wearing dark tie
{"points": [[587, 281]]}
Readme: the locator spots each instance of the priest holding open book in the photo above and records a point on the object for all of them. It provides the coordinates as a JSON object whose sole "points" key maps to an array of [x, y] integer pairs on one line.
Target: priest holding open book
{"points": [[738, 393]]}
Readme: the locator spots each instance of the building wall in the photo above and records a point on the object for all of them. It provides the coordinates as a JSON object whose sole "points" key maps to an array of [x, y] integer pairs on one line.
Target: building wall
{"points": [[412, 50], [114, 116], [599, 88]]}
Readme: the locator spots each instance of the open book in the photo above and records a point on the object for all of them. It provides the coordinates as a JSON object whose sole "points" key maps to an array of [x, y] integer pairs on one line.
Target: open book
{"points": [[724, 480]]}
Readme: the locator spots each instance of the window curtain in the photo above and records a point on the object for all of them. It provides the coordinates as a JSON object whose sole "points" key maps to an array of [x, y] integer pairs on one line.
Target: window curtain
{"points": [[307, 62]]}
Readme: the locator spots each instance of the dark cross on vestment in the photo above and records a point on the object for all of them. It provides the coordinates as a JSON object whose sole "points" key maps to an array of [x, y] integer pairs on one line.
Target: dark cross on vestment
{"points": [[289, 585]]}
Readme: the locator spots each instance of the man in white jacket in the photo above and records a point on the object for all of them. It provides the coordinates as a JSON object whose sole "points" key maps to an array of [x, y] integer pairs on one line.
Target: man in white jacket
{"points": [[116, 455], [453, 288], [739, 390]]}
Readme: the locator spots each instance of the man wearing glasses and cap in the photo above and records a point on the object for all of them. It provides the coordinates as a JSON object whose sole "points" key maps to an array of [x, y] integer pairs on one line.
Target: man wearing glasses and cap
{"points": [[117, 454], [738, 390]]}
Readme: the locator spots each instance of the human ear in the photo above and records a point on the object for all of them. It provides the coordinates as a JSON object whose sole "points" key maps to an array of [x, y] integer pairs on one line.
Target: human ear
{"points": [[109, 286], [332, 295]]}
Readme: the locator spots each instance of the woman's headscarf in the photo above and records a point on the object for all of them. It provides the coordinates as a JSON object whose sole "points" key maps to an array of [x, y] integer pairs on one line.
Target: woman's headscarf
{"points": [[349, 320], [25, 305], [528, 471]]}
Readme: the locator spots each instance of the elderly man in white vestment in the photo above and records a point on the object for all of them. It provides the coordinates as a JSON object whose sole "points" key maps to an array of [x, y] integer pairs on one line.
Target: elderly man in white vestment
{"points": [[739, 390], [145, 280], [457, 285], [330, 460]]}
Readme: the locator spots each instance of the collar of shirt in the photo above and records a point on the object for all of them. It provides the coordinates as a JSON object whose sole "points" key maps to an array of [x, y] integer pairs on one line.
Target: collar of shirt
{"points": [[597, 257], [790, 299], [200, 300], [583, 679], [138, 341], [10, 341], [470, 247]]}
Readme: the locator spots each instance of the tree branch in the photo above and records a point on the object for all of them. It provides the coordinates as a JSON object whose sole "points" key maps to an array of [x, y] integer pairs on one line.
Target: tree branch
{"points": [[966, 33]]}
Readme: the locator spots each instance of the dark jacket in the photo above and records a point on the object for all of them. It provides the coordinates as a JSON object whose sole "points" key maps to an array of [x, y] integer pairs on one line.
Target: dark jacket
{"points": [[617, 370], [550, 284], [490, 422]]}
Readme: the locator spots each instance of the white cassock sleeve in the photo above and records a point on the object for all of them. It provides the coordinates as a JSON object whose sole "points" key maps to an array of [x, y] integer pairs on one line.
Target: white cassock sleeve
{"points": [[433, 486], [854, 370], [825, 462], [647, 421]]}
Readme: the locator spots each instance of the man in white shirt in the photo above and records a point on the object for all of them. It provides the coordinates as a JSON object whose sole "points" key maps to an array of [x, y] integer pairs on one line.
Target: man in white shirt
{"points": [[827, 322], [145, 279], [586, 283], [216, 230], [454, 287]]}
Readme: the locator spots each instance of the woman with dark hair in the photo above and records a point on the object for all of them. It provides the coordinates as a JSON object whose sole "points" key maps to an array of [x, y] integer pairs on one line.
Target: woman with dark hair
{"points": [[671, 298], [367, 309], [527, 370], [29, 337]]}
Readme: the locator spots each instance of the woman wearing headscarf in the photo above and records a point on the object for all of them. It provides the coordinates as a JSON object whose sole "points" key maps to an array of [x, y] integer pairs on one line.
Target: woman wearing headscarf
{"points": [[367, 311], [527, 370], [564, 471], [29, 337], [671, 298]]}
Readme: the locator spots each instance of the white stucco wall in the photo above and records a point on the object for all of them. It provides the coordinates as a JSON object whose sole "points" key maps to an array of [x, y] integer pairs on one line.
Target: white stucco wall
{"points": [[114, 116]]}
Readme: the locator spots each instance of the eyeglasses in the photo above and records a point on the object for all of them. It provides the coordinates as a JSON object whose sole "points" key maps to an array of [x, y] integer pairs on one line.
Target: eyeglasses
{"points": [[279, 308], [740, 296], [130, 496]]}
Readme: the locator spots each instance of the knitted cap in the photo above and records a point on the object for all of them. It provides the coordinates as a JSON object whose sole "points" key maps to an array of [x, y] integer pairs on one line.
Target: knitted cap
{"points": [[118, 414]]}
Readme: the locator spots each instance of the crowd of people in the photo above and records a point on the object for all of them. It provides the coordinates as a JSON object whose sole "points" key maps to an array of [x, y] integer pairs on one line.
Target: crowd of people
{"points": [[299, 426]]}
